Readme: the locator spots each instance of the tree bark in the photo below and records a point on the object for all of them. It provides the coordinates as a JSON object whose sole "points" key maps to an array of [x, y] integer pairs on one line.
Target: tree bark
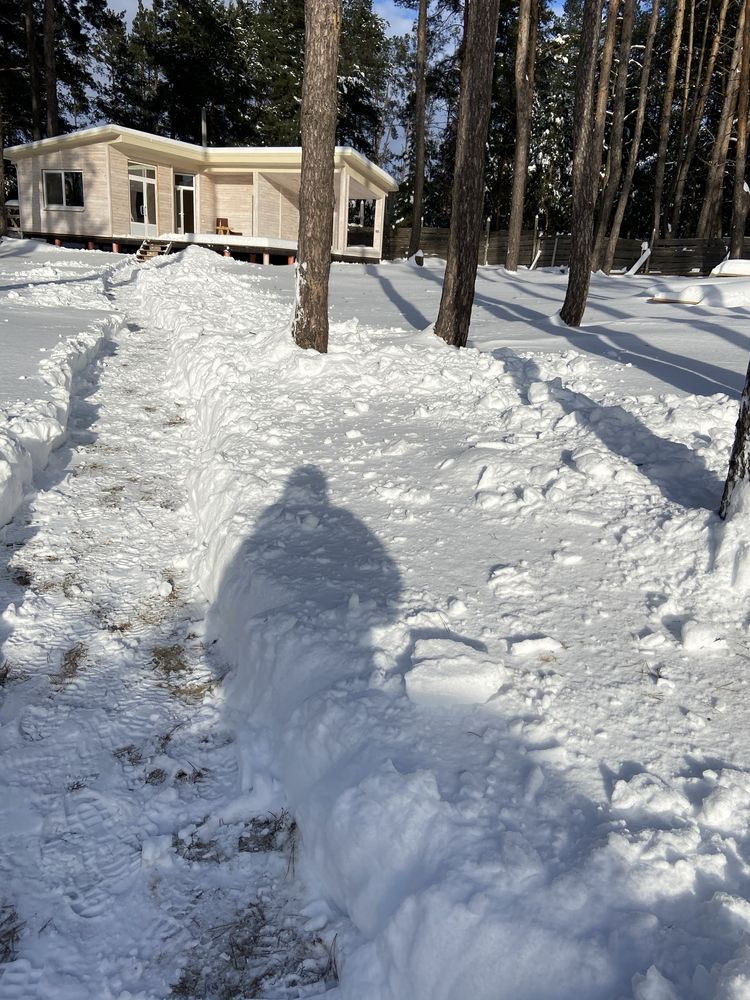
{"points": [[3, 212], [739, 460], [666, 117], [710, 216], [318, 125], [740, 196], [34, 82], [528, 13], [586, 163], [697, 118], [50, 66], [419, 129], [614, 159], [640, 118], [477, 64]]}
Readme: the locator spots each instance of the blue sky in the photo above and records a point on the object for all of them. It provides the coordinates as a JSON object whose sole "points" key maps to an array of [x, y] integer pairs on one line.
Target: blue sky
{"points": [[400, 20]]}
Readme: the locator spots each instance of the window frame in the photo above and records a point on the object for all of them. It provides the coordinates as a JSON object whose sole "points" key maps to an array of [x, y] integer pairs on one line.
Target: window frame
{"points": [[61, 172]]}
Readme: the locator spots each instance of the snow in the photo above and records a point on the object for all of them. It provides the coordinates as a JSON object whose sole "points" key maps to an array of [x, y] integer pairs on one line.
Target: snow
{"points": [[484, 637]]}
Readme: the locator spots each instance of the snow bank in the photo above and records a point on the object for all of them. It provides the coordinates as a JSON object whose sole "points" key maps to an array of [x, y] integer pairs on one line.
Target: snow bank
{"points": [[726, 294], [435, 574], [732, 269], [28, 437]]}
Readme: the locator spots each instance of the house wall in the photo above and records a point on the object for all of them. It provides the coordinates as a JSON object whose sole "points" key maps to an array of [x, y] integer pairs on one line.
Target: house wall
{"points": [[92, 219], [165, 198], [118, 182], [269, 208], [206, 204], [233, 200], [289, 216]]}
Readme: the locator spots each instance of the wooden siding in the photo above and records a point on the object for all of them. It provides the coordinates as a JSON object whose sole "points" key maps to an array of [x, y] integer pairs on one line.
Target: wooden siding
{"points": [[269, 208], [233, 200], [118, 180], [206, 204], [93, 218], [164, 199], [289, 216]]}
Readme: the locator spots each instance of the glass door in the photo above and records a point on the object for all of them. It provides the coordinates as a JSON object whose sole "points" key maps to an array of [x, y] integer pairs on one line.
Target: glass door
{"points": [[142, 180], [184, 203]]}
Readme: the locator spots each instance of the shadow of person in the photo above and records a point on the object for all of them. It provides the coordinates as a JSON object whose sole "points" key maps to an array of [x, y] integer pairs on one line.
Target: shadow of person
{"points": [[298, 603]]}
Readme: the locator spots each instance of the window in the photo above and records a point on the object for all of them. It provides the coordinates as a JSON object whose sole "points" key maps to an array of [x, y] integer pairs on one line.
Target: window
{"points": [[63, 188], [141, 170]]}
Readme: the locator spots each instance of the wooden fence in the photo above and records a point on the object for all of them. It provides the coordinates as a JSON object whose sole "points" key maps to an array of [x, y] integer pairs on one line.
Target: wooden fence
{"points": [[669, 257]]}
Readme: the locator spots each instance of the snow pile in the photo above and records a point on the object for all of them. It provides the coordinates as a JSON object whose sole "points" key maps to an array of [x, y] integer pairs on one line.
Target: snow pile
{"points": [[29, 431], [34, 430], [732, 269], [466, 602], [713, 294]]}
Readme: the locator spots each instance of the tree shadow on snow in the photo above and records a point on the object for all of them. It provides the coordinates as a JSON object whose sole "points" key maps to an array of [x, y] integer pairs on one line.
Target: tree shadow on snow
{"points": [[678, 471]]}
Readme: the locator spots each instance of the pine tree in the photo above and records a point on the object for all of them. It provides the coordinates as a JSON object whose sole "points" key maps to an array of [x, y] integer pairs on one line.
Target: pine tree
{"points": [[480, 33], [322, 29], [586, 161]]}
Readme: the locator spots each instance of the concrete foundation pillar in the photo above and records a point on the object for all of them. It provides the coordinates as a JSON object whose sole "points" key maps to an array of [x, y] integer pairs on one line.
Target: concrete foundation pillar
{"points": [[58, 243], [266, 258], [115, 248]]}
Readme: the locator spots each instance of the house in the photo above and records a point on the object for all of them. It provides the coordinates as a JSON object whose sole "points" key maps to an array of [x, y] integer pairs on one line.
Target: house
{"points": [[113, 184]]}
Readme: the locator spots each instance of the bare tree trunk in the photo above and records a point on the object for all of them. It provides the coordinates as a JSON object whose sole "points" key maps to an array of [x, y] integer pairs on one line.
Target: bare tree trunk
{"points": [[477, 64], [586, 163], [688, 73], [50, 66], [318, 126], [3, 211], [710, 215], [741, 197], [640, 118], [419, 129], [739, 460], [697, 118], [35, 86], [614, 160], [528, 12], [666, 117]]}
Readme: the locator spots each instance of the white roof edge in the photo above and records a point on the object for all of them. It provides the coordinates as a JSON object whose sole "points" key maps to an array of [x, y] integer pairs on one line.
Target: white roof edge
{"points": [[207, 153]]}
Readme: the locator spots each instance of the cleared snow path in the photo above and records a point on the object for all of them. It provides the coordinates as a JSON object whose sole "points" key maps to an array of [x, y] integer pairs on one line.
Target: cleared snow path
{"points": [[114, 751]]}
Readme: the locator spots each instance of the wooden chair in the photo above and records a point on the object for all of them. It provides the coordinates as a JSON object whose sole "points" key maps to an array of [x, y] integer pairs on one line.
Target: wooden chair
{"points": [[222, 228]]}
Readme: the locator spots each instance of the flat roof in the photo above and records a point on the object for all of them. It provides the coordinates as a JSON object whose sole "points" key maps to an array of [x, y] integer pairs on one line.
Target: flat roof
{"points": [[247, 157]]}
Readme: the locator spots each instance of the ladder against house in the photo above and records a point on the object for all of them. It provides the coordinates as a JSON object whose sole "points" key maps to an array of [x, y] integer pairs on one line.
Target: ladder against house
{"points": [[152, 248]]}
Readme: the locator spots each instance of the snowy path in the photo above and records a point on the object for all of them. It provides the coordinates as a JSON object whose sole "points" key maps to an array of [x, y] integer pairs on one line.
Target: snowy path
{"points": [[487, 643], [113, 756]]}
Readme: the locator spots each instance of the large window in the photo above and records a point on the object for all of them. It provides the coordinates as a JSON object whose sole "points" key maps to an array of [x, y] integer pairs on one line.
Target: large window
{"points": [[63, 189]]}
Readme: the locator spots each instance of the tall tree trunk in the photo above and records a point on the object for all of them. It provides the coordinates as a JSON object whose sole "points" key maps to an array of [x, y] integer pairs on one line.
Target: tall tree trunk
{"points": [[697, 117], [741, 197], [477, 64], [3, 211], [586, 163], [50, 66], [614, 159], [666, 117], [318, 124], [739, 460], [420, 92], [688, 79], [528, 13], [710, 216], [640, 118], [34, 82]]}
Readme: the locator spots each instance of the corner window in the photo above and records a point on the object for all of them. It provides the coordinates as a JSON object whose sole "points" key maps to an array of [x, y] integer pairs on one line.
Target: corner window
{"points": [[63, 188]]}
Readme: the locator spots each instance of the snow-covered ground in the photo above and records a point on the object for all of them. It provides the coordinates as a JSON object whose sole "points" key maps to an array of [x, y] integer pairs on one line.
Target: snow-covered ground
{"points": [[420, 670]]}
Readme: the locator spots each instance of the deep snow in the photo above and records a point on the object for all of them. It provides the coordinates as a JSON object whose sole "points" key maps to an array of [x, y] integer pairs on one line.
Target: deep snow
{"points": [[487, 639]]}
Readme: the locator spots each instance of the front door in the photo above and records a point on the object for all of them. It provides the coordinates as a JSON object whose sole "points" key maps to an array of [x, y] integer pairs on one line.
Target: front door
{"points": [[142, 200], [184, 203]]}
